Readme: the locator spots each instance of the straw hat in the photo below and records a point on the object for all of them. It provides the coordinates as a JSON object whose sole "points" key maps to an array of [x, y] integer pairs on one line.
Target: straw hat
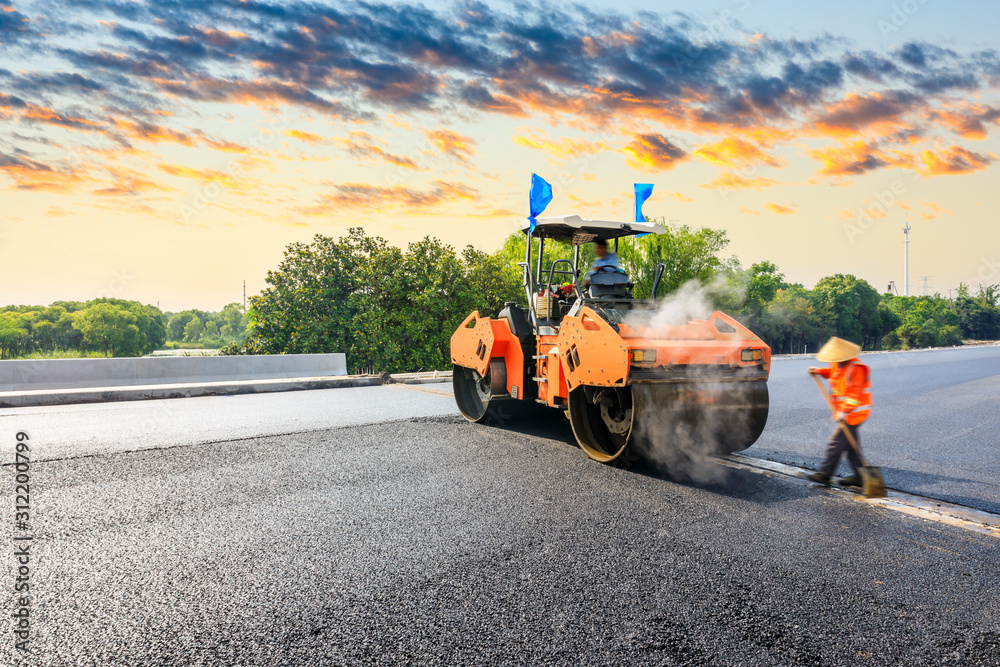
{"points": [[837, 350]]}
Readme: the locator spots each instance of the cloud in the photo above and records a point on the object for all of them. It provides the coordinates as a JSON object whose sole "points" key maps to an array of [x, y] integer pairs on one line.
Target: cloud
{"points": [[29, 174], [222, 178], [734, 152], [452, 143], [375, 198], [40, 114], [780, 210], [656, 78], [731, 181], [954, 160], [130, 182], [478, 96], [307, 137], [745, 210], [150, 132], [932, 210], [564, 147], [654, 152], [880, 112], [681, 197], [850, 159], [967, 120], [14, 25], [360, 144]]}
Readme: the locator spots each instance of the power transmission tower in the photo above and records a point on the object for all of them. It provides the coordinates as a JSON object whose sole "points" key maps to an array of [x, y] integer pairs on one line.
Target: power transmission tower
{"points": [[906, 257]]}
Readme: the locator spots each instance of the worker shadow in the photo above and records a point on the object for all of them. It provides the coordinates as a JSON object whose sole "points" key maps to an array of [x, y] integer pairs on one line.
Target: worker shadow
{"points": [[712, 476], [974, 494]]}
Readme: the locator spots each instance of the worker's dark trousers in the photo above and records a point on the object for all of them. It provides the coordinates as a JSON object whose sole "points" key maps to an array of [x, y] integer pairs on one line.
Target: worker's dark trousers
{"points": [[838, 445]]}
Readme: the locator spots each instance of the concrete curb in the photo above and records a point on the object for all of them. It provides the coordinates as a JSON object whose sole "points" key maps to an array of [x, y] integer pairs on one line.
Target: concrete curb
{"points": [[430, 377], [21, 399]]}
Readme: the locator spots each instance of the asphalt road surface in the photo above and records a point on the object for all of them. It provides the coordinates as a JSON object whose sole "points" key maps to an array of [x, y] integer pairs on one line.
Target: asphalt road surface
{"points": [[374, 526]]}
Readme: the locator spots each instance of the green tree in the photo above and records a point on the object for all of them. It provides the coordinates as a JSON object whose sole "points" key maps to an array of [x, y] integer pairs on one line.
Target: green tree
{"points": [[109, 327], [853, 306], [177, 323], [193, 330], [13, 335]]}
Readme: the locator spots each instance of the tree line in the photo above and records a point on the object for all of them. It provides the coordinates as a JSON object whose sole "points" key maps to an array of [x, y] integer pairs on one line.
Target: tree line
{"points": [[112, 328], [394, 310]]}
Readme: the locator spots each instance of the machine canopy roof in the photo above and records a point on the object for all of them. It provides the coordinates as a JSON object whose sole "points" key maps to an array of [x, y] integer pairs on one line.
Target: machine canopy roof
{"points": [[579, 231]]}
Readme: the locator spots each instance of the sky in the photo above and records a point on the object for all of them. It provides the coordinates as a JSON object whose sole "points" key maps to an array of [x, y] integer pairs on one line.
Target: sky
{"points": [[169, 151]]}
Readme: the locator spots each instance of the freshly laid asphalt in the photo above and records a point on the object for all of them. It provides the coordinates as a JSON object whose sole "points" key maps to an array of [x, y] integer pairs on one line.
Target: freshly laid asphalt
{"points": [[374, 526]]}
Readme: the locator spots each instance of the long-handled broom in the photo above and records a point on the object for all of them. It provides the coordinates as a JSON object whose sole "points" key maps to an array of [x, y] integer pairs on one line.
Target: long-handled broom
{"points": [[872, 482]]}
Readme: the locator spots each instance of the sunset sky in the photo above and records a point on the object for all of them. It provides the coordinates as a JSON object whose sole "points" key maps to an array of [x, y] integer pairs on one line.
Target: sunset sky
{"points": [[167, 151]]}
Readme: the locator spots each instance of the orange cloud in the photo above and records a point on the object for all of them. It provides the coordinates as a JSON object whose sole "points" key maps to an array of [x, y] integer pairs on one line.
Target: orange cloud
{"points": [[307, 137], [881, 113], [150, 132], [452, 143], [731, 181], [955, 160], [202, 175], [748, 211], [51, 117], [681, 197], [967, 120], [129, 182], [734, 152], [780, 210], [226, 146], [565, 147], [850, 159], [654, 152], [582, 202], [375, 198], [932, 211], [361, 145], [29, 174]]}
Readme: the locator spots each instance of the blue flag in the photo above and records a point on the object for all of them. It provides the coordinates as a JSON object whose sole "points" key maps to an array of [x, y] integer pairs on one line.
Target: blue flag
{"points": [[538, 198], [642, 192]]}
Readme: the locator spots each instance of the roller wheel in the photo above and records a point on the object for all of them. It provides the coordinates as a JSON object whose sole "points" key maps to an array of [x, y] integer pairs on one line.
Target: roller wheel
{"points": [[602, 418], [475, 393]]}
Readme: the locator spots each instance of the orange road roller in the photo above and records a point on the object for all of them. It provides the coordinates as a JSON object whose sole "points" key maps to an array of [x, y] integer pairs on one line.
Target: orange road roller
{"points": [[628, 383]]}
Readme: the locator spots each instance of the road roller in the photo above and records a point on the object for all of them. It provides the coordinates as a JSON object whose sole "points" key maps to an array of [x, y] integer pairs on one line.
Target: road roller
{"points": [[629, 383]]}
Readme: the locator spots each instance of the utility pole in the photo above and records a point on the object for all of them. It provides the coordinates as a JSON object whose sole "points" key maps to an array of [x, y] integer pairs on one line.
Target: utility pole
{"points": [[906, 257]]}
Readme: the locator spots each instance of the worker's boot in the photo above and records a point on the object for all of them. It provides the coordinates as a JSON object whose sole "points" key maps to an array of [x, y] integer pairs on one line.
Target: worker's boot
{"points": [[819, 478], [850, 480]]}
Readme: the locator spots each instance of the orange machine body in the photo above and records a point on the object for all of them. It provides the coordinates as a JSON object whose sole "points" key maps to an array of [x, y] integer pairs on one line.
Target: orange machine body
{"points": [[589, 350], [480, 339]]}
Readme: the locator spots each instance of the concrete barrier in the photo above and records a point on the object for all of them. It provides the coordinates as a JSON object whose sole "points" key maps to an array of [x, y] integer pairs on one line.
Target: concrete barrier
{"points": [[35, 374]]}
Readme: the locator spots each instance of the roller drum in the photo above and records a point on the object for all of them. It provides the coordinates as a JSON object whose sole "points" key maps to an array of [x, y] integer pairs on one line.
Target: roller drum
{"points": [[710, 417]]}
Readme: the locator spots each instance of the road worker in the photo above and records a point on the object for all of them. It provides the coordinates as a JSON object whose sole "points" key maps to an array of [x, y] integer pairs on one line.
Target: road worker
{"points": [[850, 394]]}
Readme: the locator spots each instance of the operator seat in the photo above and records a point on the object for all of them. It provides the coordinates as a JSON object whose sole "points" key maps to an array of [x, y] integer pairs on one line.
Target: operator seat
{"points": [[609, 284]]}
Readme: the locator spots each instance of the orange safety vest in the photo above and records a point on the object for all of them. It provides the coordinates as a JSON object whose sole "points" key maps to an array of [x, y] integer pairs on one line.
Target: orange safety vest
{"points": [[851, 390]]}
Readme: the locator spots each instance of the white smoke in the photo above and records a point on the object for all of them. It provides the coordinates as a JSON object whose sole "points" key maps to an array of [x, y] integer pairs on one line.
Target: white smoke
{"points": [[681, 429]]}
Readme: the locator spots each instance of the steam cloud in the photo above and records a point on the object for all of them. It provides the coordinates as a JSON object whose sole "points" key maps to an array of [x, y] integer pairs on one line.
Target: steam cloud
{"points": [[682, 426]]}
